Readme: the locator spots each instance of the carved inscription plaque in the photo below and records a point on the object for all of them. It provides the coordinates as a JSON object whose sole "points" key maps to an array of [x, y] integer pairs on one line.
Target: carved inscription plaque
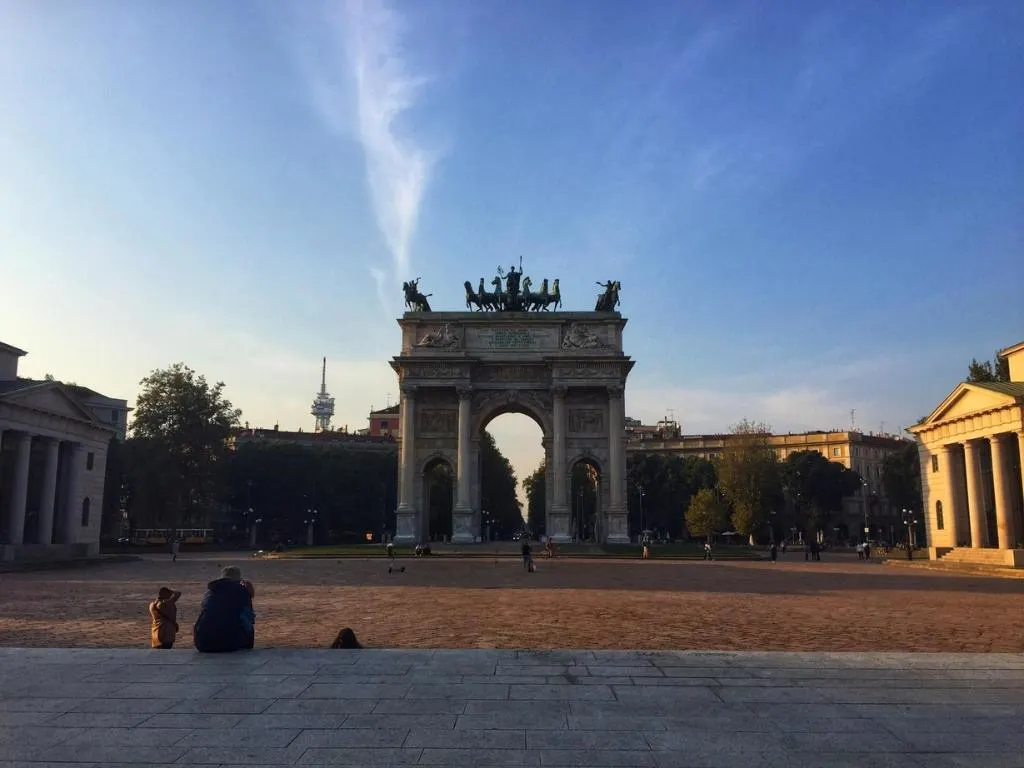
{"points": [[587, 421], [438, 422], [513, 338]]}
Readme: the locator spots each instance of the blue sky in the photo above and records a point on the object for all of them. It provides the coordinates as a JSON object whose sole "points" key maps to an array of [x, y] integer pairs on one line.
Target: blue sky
{"points": [[812, 207]]}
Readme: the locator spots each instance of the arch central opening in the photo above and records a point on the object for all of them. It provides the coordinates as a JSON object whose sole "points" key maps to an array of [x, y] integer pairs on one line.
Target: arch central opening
{"points": [[585, 501], [511, 452], [439, 495]]}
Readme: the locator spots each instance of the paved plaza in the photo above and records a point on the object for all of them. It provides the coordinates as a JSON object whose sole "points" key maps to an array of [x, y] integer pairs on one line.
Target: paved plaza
{"points": [[840, 604], [510, 708]]}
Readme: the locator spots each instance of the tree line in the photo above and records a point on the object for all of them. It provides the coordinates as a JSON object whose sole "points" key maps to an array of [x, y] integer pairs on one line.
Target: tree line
{"points": [[747, 490], [178, 469]]}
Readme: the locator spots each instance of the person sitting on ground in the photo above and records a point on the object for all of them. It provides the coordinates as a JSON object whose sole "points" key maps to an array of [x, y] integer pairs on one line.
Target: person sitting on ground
{"points": [[346, 639], [227, 621], [164, 613]]}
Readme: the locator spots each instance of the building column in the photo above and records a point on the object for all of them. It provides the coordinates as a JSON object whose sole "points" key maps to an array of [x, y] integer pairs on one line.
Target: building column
{"points": [[406, 519], [44, 534], [70, 520], [18, 499], [616, 530], [462, 514], [950, 512], [975, 497], [558, 524], [1001, 489], [1018, 533]]}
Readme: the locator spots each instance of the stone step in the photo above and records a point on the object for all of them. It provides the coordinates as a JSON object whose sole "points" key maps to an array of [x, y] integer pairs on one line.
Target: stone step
{"points": [[971, 555]]}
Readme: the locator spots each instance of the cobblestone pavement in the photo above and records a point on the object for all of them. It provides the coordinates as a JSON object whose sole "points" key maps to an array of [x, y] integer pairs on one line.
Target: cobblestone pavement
{"points": [[838, 605], [510, 708]]}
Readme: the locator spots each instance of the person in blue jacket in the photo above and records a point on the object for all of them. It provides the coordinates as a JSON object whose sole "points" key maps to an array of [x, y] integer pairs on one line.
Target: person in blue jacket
{"points": [[227, 621]]}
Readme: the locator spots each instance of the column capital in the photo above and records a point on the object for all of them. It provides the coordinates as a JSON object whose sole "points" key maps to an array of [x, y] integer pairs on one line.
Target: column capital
{"points": [[559, 391], [615, 390], [409, 390], [464, 391], [22, 438]]}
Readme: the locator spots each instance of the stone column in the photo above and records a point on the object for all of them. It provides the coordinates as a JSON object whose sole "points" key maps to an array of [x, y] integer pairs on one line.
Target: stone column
{"points": [[19, 490], [70, 521], [1018, 533], [406, 520], [558, 525], [462, 514], [975, 497], [1001, 488], [616, 530], [950, 512], [44, 535]]}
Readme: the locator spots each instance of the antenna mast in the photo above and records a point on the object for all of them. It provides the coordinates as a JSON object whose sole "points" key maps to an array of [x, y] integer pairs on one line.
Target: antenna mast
{"points": [[323, 404]]}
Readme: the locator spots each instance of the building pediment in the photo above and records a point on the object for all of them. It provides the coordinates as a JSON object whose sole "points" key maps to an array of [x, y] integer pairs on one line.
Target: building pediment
{"points": [[967, 400], [51, 398]]}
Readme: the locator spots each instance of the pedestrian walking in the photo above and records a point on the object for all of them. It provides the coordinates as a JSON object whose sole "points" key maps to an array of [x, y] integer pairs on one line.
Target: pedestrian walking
{"points": [[773, 551], [175, 545], [707, 551]]}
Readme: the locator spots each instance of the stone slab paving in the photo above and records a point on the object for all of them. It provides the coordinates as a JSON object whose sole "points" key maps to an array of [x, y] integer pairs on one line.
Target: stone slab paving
{"points": [[78, 707]]}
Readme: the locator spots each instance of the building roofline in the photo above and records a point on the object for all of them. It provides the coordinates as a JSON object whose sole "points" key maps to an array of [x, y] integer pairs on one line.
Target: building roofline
{"points": [[1019, 346], [12, 350]]}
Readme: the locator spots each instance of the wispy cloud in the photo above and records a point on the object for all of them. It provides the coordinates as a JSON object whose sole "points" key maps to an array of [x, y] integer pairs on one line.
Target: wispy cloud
{"points": [[368, 48]]}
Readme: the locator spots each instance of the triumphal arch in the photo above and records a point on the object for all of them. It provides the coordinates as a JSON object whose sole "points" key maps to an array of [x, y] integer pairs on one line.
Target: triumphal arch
{"points": [[459, 370]]}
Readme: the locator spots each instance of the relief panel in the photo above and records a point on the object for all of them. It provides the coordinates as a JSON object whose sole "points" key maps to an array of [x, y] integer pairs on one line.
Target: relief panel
{"points": [[438, 422], [586, 421]]}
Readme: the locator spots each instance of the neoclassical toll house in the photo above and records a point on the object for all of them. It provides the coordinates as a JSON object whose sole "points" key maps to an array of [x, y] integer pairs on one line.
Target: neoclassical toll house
{"points": [[459, 370], [53, 456], [971, 479]]}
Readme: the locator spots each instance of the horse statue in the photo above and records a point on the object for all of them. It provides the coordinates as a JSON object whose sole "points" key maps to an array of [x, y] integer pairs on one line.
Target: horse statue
{"points": [[414, 300], [500, 296], [556, 295], [527, 297], [487, 300], [540, 299], [472, 298]]}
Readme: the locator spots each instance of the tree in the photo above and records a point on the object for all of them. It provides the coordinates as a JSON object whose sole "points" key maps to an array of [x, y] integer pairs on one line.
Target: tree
{"points": [[707, 514], [816, 487], [901, 478], [998, 369], [748, 476], [352, 491], [498, 489], [534, 485], [664, 486], [181, 425]]}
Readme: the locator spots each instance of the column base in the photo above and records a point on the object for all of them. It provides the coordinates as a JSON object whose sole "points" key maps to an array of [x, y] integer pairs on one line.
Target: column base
{"points": [[558, 526], [406, 518], [618, 530], [462, 526]]}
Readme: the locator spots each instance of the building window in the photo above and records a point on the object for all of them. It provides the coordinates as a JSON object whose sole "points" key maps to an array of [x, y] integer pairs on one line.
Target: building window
{"points": [[85, 512], [940, 523], [90, 459], [383, 425], [836, 452], [935, 463]]}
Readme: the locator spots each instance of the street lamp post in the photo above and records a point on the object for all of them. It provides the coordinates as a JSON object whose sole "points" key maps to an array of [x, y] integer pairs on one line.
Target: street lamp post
{"points": [[252, 531], [309, 522], [909, 520], [864, 505], [643, 525]]}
